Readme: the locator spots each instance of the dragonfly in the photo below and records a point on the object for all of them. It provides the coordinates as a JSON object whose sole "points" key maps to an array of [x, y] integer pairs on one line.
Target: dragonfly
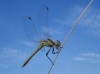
{"points": [[40, 33]]}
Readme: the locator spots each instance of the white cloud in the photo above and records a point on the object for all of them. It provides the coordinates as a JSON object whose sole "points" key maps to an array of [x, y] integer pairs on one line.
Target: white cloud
{"points": [[71, 16], [9, 52], [4, 66], [11, 56], [89, 57], [90, 20], [55, 32], [27, 43], [79, 59]]}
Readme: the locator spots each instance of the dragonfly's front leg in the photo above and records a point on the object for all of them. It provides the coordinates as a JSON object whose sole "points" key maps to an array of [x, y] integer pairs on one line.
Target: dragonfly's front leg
{"points": [[48, 57], [53, 52]]}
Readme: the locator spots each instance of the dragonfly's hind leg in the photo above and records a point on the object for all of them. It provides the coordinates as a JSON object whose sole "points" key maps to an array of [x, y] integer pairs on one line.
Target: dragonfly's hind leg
{"points": [[48, 57]]}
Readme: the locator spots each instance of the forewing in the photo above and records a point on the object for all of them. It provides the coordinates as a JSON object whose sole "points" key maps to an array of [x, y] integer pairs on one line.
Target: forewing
{"points": [[42, 22], [31, 31]]}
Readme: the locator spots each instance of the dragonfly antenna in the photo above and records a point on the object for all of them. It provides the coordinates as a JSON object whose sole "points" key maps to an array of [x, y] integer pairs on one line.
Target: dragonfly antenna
{"points": [[70, 33]]}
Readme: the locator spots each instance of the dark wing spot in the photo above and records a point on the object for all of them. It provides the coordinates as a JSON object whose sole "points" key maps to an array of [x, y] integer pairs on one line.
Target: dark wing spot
{"points": [[47, 8], [30, 18]]}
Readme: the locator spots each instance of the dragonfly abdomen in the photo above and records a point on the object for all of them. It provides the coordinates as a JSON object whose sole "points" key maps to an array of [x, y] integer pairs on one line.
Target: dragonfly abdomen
{"points": [[39, 47]]}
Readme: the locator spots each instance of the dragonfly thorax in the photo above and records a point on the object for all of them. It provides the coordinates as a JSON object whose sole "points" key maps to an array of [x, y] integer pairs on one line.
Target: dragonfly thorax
{"points": [[48, 43], [57, 44]]}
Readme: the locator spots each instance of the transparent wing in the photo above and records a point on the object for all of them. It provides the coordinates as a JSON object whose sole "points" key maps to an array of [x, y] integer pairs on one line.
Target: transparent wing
{"points": [[42, 23], [31, 31]]}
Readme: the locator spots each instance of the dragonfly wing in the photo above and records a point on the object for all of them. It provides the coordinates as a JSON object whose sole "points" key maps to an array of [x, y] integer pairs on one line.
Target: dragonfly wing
{"points": [[31, 31], [42, 22]]}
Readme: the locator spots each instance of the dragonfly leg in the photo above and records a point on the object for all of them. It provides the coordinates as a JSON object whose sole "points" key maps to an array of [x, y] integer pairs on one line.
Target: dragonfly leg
{"points": [[53, 52], [48, 57]]}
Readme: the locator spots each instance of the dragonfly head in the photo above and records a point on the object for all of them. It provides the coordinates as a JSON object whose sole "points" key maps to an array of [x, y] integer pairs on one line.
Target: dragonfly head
{"points": [[57, 44]]}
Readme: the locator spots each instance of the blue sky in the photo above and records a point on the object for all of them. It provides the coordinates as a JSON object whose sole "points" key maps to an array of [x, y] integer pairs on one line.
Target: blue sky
{"points": [[81, 53]]}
